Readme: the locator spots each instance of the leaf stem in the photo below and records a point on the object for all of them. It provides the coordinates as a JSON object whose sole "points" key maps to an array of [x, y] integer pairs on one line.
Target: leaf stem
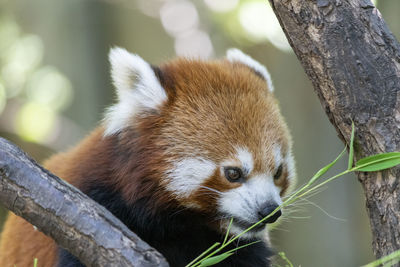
{"points": [[202, 254], [323, 183], [394, 256], [227, 231]]}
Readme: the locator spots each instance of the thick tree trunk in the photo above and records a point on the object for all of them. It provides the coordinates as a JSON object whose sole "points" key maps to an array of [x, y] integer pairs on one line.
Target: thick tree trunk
{"points": [[353, 61], [74, 221]]}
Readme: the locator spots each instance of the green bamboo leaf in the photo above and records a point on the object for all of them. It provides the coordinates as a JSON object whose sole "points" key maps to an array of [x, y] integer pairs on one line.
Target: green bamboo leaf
{"points": [[390, 259], [196, 260], [376, 157], [243, 246], [351, 148], [323, 170], [214, 260], [378, 162], [227, 231], [286, 259]]}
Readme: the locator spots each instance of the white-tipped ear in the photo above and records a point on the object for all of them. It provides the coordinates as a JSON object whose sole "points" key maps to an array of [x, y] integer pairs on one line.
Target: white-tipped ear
{"points": [[235, 55], [138, 89]]}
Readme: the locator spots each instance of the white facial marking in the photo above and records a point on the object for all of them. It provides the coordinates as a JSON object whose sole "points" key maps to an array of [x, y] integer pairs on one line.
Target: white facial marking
{"points": [[235, 55], [245, 201], [277, 156], [137, 86], [246, 158], [291, 168], [188, 174]]}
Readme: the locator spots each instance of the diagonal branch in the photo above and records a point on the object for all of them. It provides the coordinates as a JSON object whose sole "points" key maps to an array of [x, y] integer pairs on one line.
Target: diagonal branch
{"points": [[74, 221]]}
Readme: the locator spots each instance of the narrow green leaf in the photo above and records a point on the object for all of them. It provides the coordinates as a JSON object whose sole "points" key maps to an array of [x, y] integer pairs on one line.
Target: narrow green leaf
{"points": [[227, 231], [214, 260], [323, 170], [243, 246], [193, 262], [377, 157], [35, 261], [351, 148], [378, 162], [283, 256], [392, 258]]}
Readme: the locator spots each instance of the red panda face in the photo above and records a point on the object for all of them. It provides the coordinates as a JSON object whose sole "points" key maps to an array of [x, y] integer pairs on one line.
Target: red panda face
{"points": [[223, 148]]}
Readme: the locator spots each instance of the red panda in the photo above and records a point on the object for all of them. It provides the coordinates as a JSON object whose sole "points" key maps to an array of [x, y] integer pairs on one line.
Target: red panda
{"points": [[187, 146]]}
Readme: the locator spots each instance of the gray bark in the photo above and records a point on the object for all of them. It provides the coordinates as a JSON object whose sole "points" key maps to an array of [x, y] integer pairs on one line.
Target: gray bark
{"points": [[74, 221], [353, 61]]}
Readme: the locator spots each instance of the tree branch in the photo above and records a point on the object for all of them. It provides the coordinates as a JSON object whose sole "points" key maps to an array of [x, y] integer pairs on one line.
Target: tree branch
{"points": [[353, 61], [74, 221]]}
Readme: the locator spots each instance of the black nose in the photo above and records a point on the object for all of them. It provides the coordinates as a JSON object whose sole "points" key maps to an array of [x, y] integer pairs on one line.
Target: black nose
{"points": [[266, 210]]}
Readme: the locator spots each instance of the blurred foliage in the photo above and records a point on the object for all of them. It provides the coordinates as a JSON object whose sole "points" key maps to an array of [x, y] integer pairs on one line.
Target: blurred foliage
{"points": [[54, 86]]}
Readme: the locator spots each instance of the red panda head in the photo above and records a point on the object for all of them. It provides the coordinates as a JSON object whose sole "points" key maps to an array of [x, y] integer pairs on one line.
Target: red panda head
{"points": [[210, 132]]}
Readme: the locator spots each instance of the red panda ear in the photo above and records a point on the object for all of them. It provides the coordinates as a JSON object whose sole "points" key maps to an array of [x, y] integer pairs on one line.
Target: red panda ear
{"points": [[137, 87], [235, 55]]}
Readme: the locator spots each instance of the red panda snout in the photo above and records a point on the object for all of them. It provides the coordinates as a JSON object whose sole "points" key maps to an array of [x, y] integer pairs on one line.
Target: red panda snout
{"points": [[267, 210], [246, 204]]}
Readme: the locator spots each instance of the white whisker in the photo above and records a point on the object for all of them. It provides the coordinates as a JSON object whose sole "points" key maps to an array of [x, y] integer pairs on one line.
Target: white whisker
{"points": [[211, 189], [325, 212]]}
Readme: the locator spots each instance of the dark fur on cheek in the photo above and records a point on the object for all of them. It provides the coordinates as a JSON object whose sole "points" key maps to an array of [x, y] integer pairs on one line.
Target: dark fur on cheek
{"points": [[180, 235]]}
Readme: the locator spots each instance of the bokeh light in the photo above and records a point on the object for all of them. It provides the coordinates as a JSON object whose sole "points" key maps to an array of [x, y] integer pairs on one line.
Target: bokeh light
{"points": [[179, 17], [9, 32], [21, 58], [34, 122], [3, 98], [196, 43], [180, 20], [149, 8], [259, 21], [49, 87], [221, 5]]}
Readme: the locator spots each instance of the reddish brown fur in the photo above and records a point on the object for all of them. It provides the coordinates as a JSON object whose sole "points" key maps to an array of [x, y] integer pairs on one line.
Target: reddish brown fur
{"points": [[212, 107]]}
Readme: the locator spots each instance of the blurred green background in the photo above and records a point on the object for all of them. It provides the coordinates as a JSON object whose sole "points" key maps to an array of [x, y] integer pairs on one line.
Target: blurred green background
{"points": [[55, 84]]}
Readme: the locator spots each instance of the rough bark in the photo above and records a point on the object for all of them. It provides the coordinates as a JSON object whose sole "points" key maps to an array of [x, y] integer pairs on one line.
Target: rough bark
{"points": [[353, 61], [74, 221]]}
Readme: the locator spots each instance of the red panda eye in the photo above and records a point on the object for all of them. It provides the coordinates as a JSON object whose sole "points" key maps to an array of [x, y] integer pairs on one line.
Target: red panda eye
{"points": [[278, 172], [234, 174]]}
